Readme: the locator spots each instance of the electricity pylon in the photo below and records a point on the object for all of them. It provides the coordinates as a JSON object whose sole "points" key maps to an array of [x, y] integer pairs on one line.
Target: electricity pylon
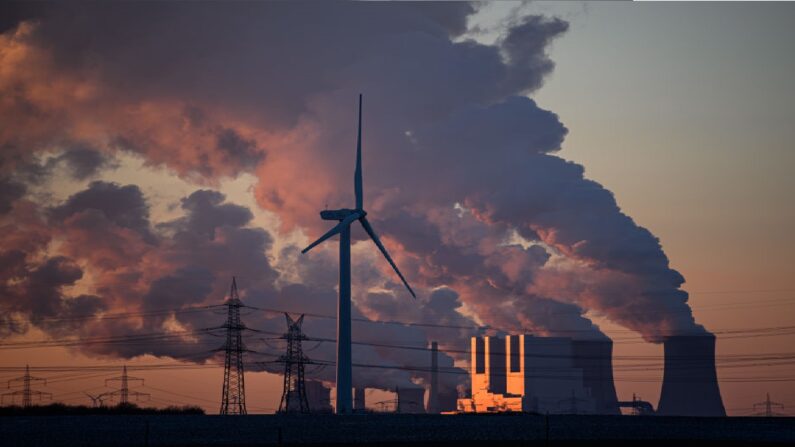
{"points": [[294, 360], [768, 406], [572, 402], [233, 398], [124, 392], [26, 393]]}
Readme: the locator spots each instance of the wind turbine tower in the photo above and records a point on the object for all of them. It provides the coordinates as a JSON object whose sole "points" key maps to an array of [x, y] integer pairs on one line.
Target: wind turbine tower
{"points": [[346, 217]]}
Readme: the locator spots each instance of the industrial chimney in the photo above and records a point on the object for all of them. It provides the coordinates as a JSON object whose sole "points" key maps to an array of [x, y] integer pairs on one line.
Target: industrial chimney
{"points": [[690, 383], [433, 392]]}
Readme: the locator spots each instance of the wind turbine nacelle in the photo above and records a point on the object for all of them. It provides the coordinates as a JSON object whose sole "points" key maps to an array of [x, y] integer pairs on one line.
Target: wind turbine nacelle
{"points": [[340, 214]]}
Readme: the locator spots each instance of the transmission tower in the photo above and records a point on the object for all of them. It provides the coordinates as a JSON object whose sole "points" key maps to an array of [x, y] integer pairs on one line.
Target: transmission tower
{"points": [[294, 360], [26, 393], [233, 399], [124, 393], [636, 411], [572, 402], [768, 406]]}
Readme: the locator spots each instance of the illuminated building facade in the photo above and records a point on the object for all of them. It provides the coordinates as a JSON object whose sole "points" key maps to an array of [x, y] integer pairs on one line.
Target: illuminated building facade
{"points": [[526, 373]]}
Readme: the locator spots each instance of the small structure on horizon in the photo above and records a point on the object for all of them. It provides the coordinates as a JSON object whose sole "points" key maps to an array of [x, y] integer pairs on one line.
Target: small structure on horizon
{"points": [[359, 400], [410, 400]]}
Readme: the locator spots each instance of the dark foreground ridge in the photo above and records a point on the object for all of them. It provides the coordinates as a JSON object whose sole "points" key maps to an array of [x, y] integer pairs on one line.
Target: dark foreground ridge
{"points": [[389, 429], [59, 409]]}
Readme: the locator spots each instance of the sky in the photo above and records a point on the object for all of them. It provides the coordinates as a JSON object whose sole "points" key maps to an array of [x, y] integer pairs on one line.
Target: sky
{"points": [[688, 122], [554, 168]]}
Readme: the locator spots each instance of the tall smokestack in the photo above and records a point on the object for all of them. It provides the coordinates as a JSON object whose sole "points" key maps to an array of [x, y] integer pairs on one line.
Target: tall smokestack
{"points": [[595, 358], [433, 394], [690, 383]]}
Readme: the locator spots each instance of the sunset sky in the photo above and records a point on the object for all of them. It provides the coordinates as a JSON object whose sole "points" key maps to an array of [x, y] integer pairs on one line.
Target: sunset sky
{"points": [[555, 169]]}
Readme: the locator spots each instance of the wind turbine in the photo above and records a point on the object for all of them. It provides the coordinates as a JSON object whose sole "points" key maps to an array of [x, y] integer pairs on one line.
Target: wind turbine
{"points": [[346, 217]]}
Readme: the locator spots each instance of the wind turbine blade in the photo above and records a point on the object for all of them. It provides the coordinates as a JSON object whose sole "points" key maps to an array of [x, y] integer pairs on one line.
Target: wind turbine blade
{"points": [[337, 228], [357, 175], [381, 247]]}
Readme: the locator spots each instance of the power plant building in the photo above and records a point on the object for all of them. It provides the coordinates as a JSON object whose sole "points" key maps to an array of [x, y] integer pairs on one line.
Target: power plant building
{"points": [[538, 374]]}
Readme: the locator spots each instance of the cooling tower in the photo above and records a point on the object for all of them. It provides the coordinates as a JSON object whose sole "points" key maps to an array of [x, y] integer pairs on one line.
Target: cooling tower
{"points": [[448, 398], [411, 400], [595, 358], [318, 397], [690, 383]]}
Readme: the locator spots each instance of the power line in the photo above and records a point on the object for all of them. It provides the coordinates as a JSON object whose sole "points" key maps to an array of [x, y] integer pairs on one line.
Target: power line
{"points": [[202, 308], [365, 320], [715, 292], [474, 327], [124, 315], [459, 371], [214, 402], [126, 338], [727, 357], [449, 350], [110, 368]]}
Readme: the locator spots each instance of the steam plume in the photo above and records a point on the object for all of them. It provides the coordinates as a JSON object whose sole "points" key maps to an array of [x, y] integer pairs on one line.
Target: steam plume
{"points": [[483, 216]]}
